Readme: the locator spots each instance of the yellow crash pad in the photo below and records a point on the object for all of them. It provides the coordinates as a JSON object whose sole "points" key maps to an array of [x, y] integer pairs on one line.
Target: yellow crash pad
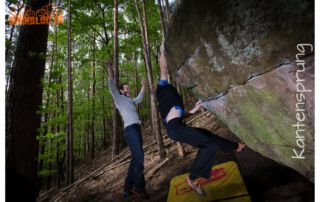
{"points": [[225, 184]]}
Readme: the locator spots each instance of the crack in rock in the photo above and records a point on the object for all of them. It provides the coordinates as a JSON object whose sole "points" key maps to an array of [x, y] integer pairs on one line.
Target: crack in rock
{"points": [[244, 83]]}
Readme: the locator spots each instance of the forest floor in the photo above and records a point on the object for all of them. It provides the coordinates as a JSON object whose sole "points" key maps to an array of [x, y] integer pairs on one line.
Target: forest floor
{"points": [[102, 179]]}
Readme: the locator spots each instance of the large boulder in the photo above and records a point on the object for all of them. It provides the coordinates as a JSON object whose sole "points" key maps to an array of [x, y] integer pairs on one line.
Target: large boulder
{"points": [[250, 61]]}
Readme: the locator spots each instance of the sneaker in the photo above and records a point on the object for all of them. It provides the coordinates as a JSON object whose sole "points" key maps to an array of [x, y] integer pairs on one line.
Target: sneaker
{"points": [[141, 194], [195, 185], [127, 192]]}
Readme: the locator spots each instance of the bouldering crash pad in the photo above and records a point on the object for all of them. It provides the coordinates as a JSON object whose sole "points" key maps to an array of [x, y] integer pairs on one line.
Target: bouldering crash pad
{"points": [[225, 184]]}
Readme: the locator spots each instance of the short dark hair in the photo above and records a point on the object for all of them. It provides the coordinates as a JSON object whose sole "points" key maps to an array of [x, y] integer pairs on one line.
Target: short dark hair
{"points": [[121, 87], [123, 84]]}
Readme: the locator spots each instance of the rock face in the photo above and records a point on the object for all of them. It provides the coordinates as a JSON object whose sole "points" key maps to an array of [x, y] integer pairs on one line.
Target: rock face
{"points": [[252, 61]]}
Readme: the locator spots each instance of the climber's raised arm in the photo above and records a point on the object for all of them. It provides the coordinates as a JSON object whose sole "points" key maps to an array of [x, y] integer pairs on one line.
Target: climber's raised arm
{"points": [[163, 64], [112, 86]]}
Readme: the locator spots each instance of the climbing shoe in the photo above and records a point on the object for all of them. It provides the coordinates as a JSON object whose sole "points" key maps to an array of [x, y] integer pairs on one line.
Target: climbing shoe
{"points": [[196, 186]]}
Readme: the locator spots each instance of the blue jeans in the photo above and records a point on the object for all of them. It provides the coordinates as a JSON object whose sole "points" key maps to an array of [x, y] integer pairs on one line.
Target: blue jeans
{"points": [[135, 177], [204, 140]]}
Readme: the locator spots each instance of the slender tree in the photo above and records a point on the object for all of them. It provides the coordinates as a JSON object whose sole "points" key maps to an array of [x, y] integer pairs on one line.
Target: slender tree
{"points": [[162, 19], [136, 76], [115, 113], [60, 162], [70, 166], [167, 10], [93, 99], [104, 116], [58, 141], [147, 58], [87, 139]]}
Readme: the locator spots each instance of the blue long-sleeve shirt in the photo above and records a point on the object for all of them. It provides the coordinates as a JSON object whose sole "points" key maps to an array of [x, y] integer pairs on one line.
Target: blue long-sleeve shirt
{"points": [[126, 105]]}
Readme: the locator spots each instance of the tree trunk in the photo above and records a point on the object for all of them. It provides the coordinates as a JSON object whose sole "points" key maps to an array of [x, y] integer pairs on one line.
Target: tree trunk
{"points": [[168, 7], [93, 100], [163, 25], [104, 119], [22, 119], [115, 113], [146, 51], [58, 143], [104, 138], [104, 122], [136, 77], [57, 162], [87, 129], [70, 167], [168, 11], [61, 162]]}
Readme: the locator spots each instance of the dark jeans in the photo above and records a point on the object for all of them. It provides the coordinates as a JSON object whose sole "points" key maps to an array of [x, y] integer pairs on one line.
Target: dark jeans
{"points": [[204, 140], [135, 177]]}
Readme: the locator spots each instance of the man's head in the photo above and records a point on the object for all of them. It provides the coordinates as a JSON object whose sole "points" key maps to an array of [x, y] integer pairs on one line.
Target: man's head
{"points": [[125, 89]]}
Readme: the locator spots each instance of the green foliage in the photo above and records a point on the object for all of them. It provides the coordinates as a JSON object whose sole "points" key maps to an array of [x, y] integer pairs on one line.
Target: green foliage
{"points": [[46, 172], [92, 45]]}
